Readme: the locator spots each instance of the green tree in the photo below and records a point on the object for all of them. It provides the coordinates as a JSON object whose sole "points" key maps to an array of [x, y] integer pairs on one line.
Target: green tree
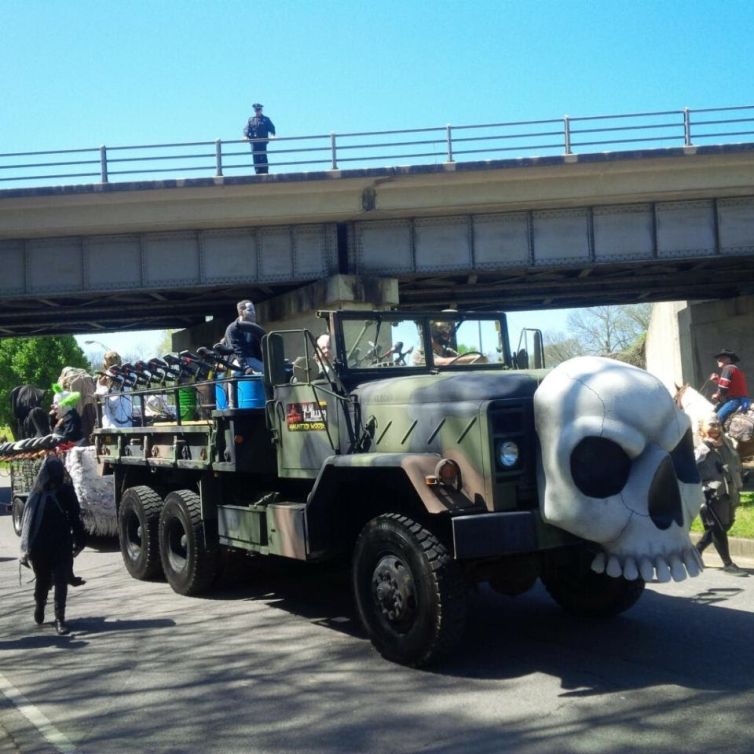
{"points": [[166, 344], [615, 331], [35, 361]]}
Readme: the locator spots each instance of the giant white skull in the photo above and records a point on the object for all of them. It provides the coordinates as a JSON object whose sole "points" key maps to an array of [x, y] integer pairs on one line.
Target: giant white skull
{"points": [[617, 467]]}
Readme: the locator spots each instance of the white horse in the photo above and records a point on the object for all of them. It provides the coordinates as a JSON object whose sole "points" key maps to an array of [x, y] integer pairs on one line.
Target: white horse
{"points": [[697, 408]]}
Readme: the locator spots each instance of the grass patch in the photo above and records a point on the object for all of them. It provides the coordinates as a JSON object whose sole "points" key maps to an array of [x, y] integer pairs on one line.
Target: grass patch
{"points": [[744, 526]]}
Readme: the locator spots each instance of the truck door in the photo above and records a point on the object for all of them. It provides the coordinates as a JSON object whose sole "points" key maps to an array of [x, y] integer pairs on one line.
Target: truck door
{"points": [[304, 412]]}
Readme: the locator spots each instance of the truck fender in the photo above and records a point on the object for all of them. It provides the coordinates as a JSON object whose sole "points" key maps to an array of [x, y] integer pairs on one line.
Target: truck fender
{"points": [[415, 467], [352, 489]]}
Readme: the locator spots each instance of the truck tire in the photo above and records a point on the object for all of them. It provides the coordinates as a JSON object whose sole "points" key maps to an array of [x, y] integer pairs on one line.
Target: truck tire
{"points": [[138, 520], [410, 594], [586, 594], [189, 563], [17, 513]]}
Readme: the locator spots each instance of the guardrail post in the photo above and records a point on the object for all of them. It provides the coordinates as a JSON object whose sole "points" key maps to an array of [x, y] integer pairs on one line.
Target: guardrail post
{"points": [[334, 152], [103, 163], [218, 157], [686, 127], [449, 140], [567, 134]]}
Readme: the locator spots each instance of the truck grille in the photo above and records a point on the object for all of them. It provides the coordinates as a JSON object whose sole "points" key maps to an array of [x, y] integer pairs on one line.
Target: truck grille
{"points": [[513, 421]]}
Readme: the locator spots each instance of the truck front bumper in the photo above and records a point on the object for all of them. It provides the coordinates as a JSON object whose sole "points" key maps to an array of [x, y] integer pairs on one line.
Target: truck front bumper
{"points": [[488, 535]]}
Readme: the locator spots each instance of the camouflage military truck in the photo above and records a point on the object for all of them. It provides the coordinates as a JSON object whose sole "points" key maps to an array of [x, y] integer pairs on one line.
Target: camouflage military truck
{"points": [[410, 448]]}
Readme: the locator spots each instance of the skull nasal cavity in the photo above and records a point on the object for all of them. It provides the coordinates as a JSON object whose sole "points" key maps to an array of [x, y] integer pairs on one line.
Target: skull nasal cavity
{"points": [[599, 467], [664, 497]]}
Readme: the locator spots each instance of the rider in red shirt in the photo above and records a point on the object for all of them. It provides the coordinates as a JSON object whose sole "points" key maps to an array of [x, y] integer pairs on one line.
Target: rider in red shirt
{"points": [[732, 392]]}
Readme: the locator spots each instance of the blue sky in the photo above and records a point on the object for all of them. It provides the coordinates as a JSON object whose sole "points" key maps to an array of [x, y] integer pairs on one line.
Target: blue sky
{"points": [[81, 73]]}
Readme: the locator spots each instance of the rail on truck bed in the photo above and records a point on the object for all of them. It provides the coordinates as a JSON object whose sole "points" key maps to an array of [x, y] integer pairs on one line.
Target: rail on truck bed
{"points": [[208, 424]]}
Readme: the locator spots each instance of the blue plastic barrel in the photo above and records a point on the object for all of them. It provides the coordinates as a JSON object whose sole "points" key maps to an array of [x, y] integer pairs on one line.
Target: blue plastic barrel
{"points": [[221, 395], [251, 392]]}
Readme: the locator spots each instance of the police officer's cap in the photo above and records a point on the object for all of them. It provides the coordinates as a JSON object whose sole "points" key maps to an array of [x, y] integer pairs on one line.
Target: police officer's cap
{"points": [[257, 106]]}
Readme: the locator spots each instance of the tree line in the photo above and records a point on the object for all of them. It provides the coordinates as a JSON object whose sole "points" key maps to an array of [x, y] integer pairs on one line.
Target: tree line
{"points": [[619, 332]]}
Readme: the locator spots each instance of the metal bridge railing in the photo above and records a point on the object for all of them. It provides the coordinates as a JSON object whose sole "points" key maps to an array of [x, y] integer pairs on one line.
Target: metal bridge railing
{"points": [[556, 136]]}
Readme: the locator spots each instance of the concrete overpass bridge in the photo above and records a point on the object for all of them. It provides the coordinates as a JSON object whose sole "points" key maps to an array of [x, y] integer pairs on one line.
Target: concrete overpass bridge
{"points": [[554, 231]]}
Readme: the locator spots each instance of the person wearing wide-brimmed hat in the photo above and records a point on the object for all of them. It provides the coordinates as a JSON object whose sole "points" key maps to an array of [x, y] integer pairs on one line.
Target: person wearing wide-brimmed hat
{"points": [[732, 393]]}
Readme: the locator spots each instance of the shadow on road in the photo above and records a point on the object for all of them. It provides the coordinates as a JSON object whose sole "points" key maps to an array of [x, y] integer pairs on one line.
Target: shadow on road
{"points": [[45, 638], [102, 544], [98, 625], [318, 592], [663, 639]]}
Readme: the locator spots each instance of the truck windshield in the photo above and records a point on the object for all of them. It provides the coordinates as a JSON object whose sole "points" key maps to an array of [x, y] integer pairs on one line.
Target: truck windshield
{"points": [[432, 341]]}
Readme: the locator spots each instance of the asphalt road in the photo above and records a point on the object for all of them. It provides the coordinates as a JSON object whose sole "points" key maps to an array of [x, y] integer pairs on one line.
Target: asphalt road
{"points": [[275, 662]]}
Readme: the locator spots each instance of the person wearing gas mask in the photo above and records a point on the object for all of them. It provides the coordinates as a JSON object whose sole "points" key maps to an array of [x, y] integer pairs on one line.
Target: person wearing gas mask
{"points": [[720, 471]]}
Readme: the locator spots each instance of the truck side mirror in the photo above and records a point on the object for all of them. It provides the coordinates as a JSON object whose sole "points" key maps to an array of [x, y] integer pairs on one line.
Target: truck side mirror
{"points": [[539, 350]]}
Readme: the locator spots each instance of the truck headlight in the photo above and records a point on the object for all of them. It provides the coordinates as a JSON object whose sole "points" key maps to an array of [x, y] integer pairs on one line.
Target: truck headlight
{"points": [[507, 454]]}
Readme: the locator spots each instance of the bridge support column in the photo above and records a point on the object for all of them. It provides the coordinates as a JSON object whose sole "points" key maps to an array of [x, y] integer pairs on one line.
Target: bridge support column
{"points": [[297, 309], [684, 336]]}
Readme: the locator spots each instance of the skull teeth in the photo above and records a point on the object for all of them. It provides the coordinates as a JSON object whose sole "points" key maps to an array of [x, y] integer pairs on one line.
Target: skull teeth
{"points": [[630, 570], [663, 568], [598, 564]]}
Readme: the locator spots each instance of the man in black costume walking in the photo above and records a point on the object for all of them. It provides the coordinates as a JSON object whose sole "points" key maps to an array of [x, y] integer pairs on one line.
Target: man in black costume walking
{"points": [[51, 535]]}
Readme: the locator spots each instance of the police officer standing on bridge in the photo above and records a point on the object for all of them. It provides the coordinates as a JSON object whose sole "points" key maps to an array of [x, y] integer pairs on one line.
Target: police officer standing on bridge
{"points": [[258, 130]]}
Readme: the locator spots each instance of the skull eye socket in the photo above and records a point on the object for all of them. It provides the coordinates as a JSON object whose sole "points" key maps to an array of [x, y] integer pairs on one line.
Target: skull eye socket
{"points": [[599, 467], [682, 457]]}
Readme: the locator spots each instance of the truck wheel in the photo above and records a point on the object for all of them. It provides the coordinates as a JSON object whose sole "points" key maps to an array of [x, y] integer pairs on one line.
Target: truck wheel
{"points": [[586, 594], [190, 564], [138, 519], [17, 514], [410, 593]]}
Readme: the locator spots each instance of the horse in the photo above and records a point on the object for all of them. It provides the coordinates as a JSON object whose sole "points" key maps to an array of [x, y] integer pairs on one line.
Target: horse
{"points": [[697, 407]]}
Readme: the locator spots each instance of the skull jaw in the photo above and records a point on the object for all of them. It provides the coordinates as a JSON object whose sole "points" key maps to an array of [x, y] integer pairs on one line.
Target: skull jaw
{"points": [[643, 551], [634, 545]]}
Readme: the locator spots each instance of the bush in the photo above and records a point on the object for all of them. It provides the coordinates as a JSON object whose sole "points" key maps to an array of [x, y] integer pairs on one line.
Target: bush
{"points": [[35, 361]]}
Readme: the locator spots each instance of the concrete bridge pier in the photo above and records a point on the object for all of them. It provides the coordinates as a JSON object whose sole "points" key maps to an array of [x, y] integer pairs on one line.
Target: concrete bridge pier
{"points": [[297, 309], [684, 336]]}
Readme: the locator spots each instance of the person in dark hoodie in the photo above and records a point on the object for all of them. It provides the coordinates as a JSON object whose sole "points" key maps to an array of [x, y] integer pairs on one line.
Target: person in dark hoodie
{"points": [[52, 534], [244, 336]]}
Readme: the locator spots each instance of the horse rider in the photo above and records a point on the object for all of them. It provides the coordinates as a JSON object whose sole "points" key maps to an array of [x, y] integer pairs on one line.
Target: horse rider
{"points": [[732, 392]]}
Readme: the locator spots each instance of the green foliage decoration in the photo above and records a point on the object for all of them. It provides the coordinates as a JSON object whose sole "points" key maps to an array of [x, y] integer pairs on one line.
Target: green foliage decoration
{"points": [[35, 361]]}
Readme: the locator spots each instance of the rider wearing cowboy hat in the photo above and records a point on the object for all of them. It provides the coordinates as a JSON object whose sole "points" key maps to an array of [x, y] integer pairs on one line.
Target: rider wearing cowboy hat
{"points": [[732, 392]]}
